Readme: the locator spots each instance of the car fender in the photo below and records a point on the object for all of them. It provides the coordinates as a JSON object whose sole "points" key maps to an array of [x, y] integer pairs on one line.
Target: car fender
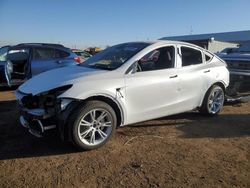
{"points": [[116, 95]]}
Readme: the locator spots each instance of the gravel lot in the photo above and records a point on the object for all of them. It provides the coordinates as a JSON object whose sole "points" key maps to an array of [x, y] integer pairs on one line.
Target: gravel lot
{"points": [[187, 150]]}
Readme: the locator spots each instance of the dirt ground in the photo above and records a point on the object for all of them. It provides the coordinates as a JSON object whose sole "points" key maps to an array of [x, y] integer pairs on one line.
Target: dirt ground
{"points": [[187, 150]]}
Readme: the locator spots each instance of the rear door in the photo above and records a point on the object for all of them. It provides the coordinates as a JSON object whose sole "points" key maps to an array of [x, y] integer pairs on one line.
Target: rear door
{"points": [[44, 59], [193, 76]]}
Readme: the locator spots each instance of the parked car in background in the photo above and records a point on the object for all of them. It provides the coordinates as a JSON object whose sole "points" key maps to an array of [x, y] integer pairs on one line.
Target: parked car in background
{"points": [[23, 61], [238, 64], [82, 54], [227, 51], [124, 84], [93, 50]]}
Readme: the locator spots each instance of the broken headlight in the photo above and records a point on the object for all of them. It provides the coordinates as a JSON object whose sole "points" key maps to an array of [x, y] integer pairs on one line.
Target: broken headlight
{"points": [[49, 99]]}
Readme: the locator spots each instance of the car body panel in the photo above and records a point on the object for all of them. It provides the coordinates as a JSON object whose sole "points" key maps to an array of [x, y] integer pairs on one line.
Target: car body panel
{"points": [[61, 76]]}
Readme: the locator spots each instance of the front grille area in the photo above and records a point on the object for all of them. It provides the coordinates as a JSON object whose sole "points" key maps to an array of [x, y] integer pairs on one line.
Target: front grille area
{"points": [[240, 65]]}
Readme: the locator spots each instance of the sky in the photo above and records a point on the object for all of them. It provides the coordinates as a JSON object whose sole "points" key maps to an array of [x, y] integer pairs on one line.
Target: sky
{"points": [[83, 23]]}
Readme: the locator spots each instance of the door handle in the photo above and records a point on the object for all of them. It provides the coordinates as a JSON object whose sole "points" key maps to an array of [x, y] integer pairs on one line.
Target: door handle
{"points": [[59, 61], [206, 71], [175, 76]]}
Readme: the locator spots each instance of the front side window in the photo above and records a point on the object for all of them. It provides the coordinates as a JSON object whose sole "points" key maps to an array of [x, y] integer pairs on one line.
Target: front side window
{"points": [[161, 58], [190, 56], [113, 57]]}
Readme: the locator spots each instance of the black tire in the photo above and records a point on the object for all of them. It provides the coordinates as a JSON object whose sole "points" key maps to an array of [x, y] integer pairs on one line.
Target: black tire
{"points": [[205, 108], [82, 112]]}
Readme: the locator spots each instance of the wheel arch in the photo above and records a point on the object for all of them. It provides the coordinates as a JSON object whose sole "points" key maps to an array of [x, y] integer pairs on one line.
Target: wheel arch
{"points": [[113, 103], [64, 129], [219, 83]]}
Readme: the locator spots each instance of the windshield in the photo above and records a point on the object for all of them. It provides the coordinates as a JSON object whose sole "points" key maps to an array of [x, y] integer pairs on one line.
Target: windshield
{"points": [[3, 53], [115, 56], [244, 48]]}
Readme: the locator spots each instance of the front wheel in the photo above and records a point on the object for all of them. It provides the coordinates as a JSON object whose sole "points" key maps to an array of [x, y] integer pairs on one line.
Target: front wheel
{"points": [[92, 125], [213, 101]]}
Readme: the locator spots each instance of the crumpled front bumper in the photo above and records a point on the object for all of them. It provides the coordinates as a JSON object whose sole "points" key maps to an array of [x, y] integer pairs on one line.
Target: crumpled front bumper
{"points": [[37, 121]]}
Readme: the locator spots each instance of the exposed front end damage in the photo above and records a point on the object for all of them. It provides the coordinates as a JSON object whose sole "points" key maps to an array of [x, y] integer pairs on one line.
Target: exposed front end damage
{"points": [[40, 112]]}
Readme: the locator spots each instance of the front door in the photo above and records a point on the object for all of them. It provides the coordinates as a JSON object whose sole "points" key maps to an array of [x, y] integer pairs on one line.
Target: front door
{"points": [[153, 90]]}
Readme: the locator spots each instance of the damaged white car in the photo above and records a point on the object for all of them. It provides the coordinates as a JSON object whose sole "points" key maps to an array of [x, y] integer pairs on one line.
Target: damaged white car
{"points": [[124, 84]]}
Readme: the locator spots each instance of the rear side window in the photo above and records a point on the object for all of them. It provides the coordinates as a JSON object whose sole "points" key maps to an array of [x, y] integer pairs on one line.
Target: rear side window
{"points": [[190, 56], [48, 53], [61, 54]]}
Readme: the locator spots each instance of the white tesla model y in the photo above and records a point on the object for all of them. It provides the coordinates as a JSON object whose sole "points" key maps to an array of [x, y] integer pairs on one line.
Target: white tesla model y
{"points": [[124, 84]]}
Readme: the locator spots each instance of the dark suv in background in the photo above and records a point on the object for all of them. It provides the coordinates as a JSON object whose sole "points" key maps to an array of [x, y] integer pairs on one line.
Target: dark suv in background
{"points": [[238, 63], [21, 62]]}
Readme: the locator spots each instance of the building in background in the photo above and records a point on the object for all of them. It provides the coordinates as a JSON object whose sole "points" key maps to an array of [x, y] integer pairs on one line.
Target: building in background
{"points": [[215, 42]]}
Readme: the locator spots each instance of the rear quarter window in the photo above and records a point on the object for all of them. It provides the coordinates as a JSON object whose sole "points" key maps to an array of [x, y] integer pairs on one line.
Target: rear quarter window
{"points": [[208, 57]]}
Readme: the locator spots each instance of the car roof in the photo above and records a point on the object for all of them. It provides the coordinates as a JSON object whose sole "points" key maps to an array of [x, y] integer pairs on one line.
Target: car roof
{"points": [[42, 45], [162, 42]]}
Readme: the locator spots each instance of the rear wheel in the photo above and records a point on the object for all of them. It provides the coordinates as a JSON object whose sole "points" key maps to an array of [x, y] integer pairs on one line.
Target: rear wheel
{"points": [[213, 101], [92, 125]]}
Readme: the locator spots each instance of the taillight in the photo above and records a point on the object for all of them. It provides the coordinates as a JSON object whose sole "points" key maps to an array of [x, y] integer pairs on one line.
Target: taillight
{"points": [[77, 59]]}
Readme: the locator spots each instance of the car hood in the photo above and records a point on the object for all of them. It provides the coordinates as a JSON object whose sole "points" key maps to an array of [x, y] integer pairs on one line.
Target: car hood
{"points": [[56, 78]]}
